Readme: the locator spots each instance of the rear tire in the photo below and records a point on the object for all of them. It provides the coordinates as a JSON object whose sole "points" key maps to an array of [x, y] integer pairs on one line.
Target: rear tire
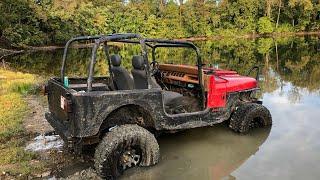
{"points": [[124, 147], [248, 116]]}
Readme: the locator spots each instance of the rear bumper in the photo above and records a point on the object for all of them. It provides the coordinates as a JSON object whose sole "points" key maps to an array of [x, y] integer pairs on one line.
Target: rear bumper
{"points": [[60, 128]]}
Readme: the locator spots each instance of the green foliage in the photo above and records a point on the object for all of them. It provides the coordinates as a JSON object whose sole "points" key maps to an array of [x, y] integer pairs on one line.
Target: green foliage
{"points": [[265, 45], [244, 13], [284, 28], [25, 22], [265, 25]]}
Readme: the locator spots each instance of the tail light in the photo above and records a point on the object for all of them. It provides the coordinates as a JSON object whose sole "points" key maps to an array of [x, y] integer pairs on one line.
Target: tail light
{"points": [[65, 104]]}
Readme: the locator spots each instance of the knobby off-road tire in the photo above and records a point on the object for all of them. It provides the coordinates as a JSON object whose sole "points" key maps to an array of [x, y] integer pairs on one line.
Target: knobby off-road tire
{"points": [[248, 116], [114, 145]]}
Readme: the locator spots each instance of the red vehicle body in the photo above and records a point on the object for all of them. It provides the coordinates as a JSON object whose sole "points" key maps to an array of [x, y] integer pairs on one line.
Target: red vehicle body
{"points": [[223, 82]]}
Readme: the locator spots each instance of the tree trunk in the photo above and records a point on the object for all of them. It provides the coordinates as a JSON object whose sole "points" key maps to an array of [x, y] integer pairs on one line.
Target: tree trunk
{"points": [[279, 10], [162, 4], [180, 11], [277, 55], [268, 8], [266, 68], [292, 22]]}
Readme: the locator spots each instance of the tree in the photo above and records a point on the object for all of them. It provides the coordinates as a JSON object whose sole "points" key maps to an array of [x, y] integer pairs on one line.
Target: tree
{"points": [[24, 22], [265, 25]]}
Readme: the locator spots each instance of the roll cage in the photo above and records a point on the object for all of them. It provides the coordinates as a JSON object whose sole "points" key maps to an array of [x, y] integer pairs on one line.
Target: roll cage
{"points": [[134, 39]]}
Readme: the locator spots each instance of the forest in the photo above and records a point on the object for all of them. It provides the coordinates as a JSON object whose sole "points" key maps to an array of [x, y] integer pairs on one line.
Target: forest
{"points": [[26, 23]]}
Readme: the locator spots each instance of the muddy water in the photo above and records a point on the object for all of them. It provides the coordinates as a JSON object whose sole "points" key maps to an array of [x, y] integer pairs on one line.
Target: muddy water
{"points": [[290, 89], [288, 150], [208, 153]]}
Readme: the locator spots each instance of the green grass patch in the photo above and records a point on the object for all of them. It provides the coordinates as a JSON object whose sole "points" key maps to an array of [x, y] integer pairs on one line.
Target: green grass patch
{"points": [[12, 152], [13, 108], [16, 82]]}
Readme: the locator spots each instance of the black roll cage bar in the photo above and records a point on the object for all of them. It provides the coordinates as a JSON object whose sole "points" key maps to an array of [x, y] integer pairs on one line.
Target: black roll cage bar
{"points": [[127, 38]]}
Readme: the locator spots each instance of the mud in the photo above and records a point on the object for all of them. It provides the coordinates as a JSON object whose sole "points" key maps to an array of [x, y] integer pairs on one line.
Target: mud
{"points": [[88, 173], [60, 162], [35, 122]]}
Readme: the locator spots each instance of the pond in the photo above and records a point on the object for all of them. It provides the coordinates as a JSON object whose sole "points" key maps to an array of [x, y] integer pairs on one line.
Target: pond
{"points": [[290, 89]]}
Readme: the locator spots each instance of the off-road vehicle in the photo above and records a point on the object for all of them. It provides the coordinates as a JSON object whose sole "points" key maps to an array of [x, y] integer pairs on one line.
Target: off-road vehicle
{"points": [[120, 115]]}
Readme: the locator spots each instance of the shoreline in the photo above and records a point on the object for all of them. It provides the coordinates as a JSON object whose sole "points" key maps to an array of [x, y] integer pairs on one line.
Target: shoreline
{"points": [[8, 52], [250, 36]]}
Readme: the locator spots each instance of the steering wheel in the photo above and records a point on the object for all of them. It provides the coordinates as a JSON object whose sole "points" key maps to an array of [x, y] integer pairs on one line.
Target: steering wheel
{"points": [[154, 68], [156, 73]]}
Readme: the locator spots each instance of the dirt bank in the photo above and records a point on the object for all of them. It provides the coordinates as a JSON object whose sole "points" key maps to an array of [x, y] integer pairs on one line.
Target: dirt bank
{"points": [[61, 164], [49, 163], [35, 122]]}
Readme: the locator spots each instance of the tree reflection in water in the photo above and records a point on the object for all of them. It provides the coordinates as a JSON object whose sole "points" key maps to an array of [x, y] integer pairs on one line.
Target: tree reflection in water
{"points": [[293, 59]]}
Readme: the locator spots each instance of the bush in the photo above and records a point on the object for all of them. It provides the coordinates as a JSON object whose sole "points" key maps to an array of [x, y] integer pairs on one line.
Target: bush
{"points": [[265, 45], [284, 28], [227, 32], [265, 25]]}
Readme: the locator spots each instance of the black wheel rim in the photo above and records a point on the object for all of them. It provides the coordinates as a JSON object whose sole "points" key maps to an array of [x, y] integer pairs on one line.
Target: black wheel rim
{"points": [[129, 158]]}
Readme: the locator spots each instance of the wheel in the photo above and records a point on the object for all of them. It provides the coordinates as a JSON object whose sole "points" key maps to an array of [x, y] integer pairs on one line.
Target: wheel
{"points": [[124, 147], [248, 116]]}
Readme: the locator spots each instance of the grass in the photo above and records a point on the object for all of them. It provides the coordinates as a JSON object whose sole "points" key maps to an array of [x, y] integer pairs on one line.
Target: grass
{"points": [[16, 82], [13, 86], [13, 108]]}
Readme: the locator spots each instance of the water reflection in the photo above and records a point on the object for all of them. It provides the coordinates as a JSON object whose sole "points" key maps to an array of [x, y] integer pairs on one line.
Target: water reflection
{"points": [[292, 149], [207, 153], [294, 59]]}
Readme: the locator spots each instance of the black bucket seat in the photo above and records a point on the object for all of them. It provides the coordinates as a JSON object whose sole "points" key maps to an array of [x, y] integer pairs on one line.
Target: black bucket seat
{"points": [[140, 76], [121, 77], [141, 79]]}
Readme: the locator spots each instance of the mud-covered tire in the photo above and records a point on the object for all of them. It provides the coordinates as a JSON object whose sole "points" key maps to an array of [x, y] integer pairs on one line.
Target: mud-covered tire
{"points": [[248, 116], [112, 145]]}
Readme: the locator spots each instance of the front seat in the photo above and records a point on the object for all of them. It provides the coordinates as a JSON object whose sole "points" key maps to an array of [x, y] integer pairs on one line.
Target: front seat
{"points": [[141, 80], [139, 74], [121, 77]]}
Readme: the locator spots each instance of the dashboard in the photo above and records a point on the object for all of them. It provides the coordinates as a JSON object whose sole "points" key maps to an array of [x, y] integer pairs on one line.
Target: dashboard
{"points": [[183, 75]]}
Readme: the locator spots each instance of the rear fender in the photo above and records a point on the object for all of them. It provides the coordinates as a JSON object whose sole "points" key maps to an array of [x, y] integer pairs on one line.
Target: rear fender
{"points": [[128, 114], [92, 113]]}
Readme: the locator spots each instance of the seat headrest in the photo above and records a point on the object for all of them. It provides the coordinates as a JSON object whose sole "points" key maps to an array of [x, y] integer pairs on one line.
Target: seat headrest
{"points": [[138, 62], [115, 60]]}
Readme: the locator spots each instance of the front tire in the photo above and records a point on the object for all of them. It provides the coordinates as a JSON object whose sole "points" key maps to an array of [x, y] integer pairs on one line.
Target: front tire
{"points": [[248, 116], [124, 147]]}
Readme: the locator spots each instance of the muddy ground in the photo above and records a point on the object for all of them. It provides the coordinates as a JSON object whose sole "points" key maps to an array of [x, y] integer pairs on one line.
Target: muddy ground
{"points": [[59, 163], [35, 123]]}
